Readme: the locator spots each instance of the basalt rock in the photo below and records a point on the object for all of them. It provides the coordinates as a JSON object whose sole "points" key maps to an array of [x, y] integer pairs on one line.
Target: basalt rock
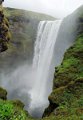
{"points": [[4, 30], [3, 94]]}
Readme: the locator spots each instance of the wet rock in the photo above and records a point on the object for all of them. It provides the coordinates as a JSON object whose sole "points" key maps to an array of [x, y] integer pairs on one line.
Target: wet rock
{"points": [[3, 94], [18, 103]]}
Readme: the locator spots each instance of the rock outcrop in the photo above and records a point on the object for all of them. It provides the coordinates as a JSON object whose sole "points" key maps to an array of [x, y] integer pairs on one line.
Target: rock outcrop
{"points": [[4, 30], [3, 94]]}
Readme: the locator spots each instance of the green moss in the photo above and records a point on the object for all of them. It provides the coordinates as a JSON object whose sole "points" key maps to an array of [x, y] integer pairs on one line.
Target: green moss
{"points": [[68, 85], [71, 68], [6, 110], [63, 117], [18, 103], [11, 111], [70, 101]]}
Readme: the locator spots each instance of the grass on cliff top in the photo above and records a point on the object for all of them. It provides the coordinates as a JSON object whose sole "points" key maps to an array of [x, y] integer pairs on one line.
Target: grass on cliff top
{"points": [[28, 14]]}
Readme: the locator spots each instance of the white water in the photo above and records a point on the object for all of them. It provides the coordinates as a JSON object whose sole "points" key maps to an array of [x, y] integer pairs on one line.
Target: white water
{"points": [[43, 55]]}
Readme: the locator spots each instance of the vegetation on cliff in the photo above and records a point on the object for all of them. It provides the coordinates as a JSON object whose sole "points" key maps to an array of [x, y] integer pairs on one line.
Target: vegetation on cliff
{"points": [[4, 30], [67, 95], [11, 110], [66, 100]]}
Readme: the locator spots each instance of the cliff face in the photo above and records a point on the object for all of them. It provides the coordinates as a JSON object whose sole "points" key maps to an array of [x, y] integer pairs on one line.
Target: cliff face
{"points": [[66, 100], [4, 30], [23, 27], [8, 109]]}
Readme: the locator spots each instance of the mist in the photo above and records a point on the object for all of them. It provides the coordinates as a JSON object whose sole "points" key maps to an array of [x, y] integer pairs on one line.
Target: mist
{"points": [[18, 83]]}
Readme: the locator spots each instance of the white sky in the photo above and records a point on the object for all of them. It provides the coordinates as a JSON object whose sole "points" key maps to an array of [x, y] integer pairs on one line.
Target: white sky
{"points": [[56, 8]]}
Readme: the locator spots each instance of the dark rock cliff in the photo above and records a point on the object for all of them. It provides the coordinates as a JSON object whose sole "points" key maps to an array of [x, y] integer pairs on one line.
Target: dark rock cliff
{"points": [[4, 30]]}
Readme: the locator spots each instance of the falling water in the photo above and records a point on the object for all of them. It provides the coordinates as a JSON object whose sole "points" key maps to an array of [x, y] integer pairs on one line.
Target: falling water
{"points": [[43, 55]]}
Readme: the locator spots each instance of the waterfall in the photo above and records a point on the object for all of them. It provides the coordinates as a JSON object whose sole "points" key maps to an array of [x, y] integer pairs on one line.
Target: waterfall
{"points": [[43, 55], [32, 83]]}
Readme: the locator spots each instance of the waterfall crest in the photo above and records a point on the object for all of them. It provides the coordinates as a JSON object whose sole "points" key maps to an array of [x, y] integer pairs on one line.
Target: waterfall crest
{"points": [[43, 55]]}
